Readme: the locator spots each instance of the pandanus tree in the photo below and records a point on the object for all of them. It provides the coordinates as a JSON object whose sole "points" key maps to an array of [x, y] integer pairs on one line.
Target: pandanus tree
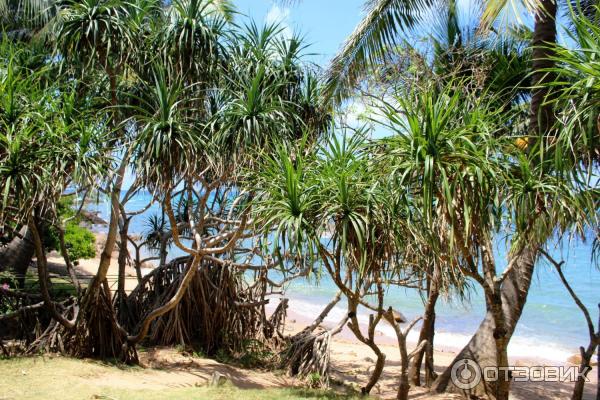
{"points": [[453, 50], [381, 30], [448, 149], [436, 137], [192, 39], [186, 107], [51, 142], [30, 23], [17, 250], [196, 128], [577, 99], [567, 154], [340, 205], [97, 36], [304, 191]]}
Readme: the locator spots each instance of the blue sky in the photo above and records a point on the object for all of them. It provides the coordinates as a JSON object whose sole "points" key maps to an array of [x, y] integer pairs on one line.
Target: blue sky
{"points": [[325, 23]]}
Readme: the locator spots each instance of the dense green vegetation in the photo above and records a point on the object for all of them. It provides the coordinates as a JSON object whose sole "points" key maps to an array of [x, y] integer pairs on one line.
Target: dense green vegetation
{"points": [[79, 241], [491, 135]]}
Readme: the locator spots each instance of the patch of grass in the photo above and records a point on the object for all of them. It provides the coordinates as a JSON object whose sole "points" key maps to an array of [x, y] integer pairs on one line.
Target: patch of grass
{"points": [[59, 378], [60, 287]]}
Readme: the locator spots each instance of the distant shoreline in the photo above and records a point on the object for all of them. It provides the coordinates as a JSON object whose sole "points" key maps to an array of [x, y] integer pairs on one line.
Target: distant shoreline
{"points": [[445, 342]]}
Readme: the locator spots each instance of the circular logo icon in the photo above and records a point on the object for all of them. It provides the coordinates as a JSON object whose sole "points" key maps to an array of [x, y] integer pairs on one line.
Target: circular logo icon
{"points": [[465, 374]]}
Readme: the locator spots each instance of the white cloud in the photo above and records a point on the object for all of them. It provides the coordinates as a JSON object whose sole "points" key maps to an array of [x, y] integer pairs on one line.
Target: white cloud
{"points": [[277, 14], [281, 16], [361, 112], [354, 113]]}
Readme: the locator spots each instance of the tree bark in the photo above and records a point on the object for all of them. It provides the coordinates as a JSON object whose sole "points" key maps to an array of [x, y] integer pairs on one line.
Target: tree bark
{"points": [[164, 238], [584, 368], [544, 34], [67, 258], [369, 341], [122, 260], [17, 254], [43, 278], [404, 384], [427, 333], [482, 346], [586, 354]]}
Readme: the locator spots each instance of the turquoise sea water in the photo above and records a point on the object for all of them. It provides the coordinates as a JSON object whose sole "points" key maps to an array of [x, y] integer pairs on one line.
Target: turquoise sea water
{"points": [[552, 327]]}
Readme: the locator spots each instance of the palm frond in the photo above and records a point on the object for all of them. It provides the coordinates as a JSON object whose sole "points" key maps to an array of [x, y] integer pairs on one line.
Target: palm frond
{"points": [[380, 30], [22, 19]]}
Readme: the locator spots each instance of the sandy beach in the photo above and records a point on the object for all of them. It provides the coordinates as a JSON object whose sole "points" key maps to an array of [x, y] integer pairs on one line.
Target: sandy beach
{"points": [[86, 269], [351, 361]]}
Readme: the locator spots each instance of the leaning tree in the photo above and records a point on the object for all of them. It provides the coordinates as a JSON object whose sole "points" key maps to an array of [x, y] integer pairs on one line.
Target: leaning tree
{"points": [[449, 148], [53, 141]]}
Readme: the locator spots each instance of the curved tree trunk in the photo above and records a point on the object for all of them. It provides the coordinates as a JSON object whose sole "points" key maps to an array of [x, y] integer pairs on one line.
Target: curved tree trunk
{"points": [[427, 333], [584, 368], [515, 288], [67, 258], [17, 255], [122, 260], [482, 346], [43, 278], [369, 341]]}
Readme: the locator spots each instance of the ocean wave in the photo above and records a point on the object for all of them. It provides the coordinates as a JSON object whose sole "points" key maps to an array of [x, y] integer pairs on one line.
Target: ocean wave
{"points": [[528, 347]]}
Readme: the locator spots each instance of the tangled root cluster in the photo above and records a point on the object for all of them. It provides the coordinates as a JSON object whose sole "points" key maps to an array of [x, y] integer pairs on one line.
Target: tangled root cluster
{"points": [[219, 310]]}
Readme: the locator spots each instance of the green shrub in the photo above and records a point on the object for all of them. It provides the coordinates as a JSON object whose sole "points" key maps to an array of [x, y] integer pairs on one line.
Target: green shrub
{"points": [[80, 242], [314, 380]]}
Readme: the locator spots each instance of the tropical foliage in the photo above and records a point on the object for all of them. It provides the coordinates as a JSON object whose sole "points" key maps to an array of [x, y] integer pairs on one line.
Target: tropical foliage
{"points": [[484, 137]]}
